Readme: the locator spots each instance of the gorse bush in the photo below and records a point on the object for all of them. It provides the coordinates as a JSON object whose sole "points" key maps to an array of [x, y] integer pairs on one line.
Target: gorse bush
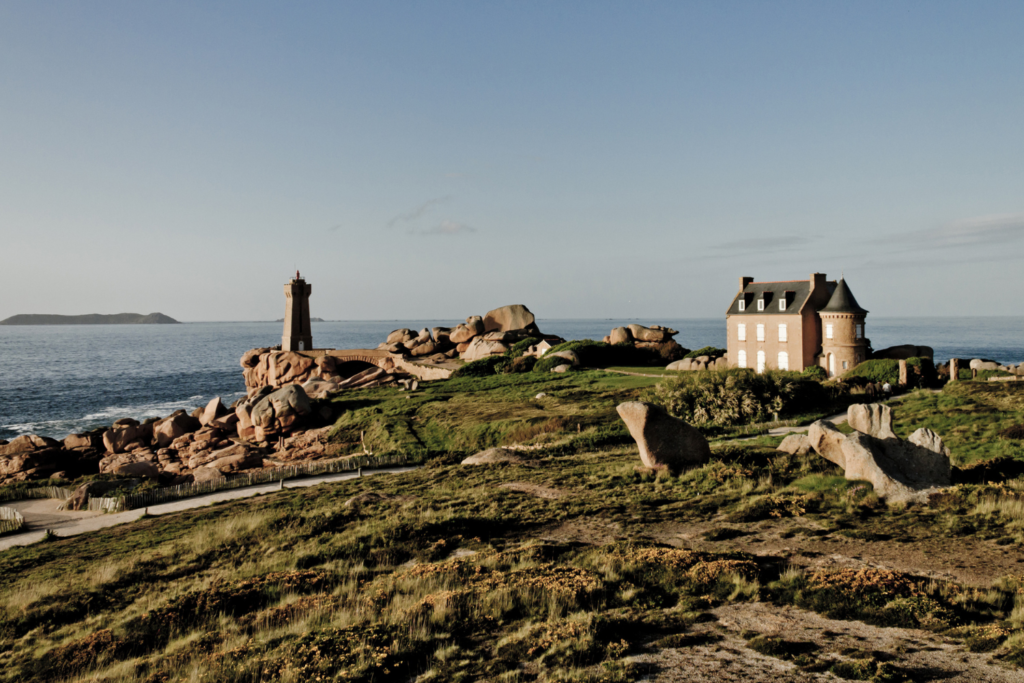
{"points": [[721, 398]]}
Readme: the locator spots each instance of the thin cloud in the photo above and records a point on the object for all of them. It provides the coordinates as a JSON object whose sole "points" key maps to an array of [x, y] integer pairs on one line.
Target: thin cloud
{"points": [[764, 244], [982, 231], [418, 212], [449, 228]]}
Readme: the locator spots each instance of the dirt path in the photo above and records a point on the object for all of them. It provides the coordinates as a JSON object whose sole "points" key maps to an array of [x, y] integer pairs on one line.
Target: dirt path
{"points": [[41, 515], [715, 651]]}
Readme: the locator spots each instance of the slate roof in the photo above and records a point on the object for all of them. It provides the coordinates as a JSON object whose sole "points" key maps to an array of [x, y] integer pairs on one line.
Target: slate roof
{"points": [[796, 293], [843, 301]]}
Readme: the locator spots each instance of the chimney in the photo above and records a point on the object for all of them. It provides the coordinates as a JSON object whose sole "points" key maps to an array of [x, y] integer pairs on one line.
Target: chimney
{"points": [[817, 280], [744, 281]]}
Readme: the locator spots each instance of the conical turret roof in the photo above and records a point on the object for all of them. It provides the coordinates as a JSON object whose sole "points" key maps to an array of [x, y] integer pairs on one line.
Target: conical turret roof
{"points": [[843, 301]]}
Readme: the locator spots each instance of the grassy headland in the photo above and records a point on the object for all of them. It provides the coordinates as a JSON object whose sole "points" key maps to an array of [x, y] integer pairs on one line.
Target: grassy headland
{"points": [[564, 567]]}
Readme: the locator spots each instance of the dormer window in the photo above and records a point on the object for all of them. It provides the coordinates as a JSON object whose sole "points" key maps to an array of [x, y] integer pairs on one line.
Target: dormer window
{"points": [[760, 304], [742, 305]]}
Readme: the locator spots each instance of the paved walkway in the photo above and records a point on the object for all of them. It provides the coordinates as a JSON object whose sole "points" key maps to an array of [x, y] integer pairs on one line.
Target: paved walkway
{"points": [[41, 515]]}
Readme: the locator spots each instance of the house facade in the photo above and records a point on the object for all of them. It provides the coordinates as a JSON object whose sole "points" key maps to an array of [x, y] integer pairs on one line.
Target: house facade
{"points": [[795, 324]]}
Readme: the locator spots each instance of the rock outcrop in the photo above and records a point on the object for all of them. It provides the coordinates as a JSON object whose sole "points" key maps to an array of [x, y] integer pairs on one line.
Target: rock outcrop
{"points": [[654, 338], [665, 442], [899, 471], [32, 457]]}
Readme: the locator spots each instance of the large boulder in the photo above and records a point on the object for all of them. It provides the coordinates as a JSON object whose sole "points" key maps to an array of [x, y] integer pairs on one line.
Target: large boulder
{"points": [[234, 458], [26, 443], [874, 419], [665, 442], [279, 411], [139, 468], [214, 409], [514, 317], [118, 438], [620, 335], [463, 333], [173, 426], [899, 471], [83, 442], [425, 348], [654, 333], [795, 444], [202, 475], [481, 348], [399, 336], [981, 364]]}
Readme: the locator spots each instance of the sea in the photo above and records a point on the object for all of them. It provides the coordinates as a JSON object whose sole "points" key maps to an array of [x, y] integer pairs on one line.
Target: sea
{"points": [[62, 379]]}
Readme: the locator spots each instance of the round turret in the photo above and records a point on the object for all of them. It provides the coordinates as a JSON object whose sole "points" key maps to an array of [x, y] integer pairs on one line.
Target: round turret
{"points": [[843, 342]]}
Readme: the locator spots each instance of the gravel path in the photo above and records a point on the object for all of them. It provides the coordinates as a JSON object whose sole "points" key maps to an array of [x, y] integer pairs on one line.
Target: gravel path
{"points": [[41, 515]]}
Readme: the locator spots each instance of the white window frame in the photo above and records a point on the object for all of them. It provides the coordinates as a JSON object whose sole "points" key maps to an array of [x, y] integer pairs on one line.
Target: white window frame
{"points": [[742, 304], [761, 364], [760, 304], [828, 331], [741, 332], [783, 360], [741, 359], [782, 304], [783, 333], [760, 332]]}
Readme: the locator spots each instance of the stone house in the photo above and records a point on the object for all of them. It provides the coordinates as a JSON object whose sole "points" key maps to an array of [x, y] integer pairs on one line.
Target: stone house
{"points": [[796, 324]]}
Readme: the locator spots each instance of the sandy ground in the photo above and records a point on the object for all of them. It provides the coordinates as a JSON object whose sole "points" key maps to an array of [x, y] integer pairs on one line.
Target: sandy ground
{"points": [[715, 651], [41, 515]]}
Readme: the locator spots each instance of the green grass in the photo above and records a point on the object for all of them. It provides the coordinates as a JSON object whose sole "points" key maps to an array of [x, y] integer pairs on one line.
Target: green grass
{"points": [[450, 576], [969, 417]]}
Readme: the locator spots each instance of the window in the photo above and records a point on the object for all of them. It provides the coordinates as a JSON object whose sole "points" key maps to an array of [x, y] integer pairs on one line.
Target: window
{"points": [[760, 304], [782, 304], [760, 362], [844, 365], [783, 335], [741, 332], [860, 330], [783, 360], [741, 359], [828, 331], [760, 333], [742, 304]]}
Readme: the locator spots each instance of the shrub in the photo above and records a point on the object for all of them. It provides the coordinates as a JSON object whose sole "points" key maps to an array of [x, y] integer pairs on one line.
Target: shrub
{"points": [[880, 370], [548, 362], [706, 351], [815, 372], [519, 348], [485, 367], [735, 396]]}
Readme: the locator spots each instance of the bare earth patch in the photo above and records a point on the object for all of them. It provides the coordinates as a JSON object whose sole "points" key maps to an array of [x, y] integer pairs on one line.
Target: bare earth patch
{"points": [[725, 656], [534, 490], [963, 559]]}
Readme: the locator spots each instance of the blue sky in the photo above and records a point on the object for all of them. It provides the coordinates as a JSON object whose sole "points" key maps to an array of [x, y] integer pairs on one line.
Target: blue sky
{"points": [[436, 160]]}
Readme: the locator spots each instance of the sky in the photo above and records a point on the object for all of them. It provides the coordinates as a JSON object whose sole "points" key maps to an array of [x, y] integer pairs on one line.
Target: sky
{"points": [[434, 160]]}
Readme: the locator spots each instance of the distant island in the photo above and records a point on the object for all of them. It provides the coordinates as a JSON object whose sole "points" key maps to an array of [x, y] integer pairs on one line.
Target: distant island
{"points": [[312, 320], [91, 319]]}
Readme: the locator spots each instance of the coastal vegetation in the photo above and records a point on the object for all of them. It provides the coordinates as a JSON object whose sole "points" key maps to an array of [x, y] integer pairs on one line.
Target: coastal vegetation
{"points": [[574, 564]]}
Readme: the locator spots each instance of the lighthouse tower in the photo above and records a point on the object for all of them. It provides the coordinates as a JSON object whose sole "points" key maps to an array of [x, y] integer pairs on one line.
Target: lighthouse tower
{"points": [[298, 335], [843, 343]]}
